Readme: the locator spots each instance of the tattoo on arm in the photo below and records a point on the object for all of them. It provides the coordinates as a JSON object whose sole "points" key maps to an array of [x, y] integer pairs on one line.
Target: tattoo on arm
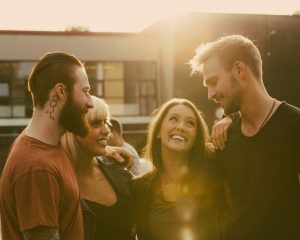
{"points": [[41, 233], [52, 105]]}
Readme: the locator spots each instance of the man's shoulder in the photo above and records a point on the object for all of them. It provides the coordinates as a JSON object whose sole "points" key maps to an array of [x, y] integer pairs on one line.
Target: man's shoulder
{"points": [[289, 108], [288, 114], [28, 155]]}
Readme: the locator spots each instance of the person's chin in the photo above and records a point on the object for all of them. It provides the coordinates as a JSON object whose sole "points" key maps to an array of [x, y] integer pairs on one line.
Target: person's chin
{"points": [[178, 148]]}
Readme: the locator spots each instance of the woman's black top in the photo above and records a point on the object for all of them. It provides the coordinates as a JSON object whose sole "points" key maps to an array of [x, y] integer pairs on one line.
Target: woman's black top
{"points": [[114, 222]]}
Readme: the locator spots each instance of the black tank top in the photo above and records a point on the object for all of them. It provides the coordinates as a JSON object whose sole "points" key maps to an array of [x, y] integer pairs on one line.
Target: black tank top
{"points": [[112, 222]]}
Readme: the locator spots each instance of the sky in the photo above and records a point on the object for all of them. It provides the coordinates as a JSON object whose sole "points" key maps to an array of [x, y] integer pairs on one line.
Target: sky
{"points": [[121, 15]]}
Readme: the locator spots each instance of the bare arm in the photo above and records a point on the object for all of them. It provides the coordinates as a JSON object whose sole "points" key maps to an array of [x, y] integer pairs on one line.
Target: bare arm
{"points": [[219, 132], [41, 233]]}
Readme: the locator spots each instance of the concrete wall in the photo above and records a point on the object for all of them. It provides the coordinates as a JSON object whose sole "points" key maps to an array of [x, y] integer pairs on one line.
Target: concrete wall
{"points": [[106, 47]]}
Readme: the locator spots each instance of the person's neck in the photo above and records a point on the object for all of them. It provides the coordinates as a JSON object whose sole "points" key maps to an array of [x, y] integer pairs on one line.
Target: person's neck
{"points": [[256, 110], [43, 128], [174, 165]]}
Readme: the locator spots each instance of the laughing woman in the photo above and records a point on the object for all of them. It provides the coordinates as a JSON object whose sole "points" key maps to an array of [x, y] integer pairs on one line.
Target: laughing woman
{"points": [[103, 185], [178, 199]]}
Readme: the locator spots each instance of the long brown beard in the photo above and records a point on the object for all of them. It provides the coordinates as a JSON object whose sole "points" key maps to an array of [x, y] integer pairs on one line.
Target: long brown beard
{"points": [[73, 119]]}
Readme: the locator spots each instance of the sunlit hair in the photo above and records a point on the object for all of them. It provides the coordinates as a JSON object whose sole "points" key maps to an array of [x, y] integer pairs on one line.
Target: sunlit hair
{"points": [[199, 152], [69, 141], [52, 68], [229, 49]]}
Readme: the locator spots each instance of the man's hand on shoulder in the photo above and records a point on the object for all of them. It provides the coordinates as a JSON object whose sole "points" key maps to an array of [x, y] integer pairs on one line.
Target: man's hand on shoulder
{"points": [[219, 132], [121, 155]]}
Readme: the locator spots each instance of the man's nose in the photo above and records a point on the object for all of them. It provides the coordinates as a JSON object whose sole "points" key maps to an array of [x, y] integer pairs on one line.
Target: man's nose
{"points": [[90, 102], [210, 94]]}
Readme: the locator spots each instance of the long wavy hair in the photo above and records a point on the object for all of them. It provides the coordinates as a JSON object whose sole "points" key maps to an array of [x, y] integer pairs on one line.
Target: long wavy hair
{"points": [[199, 153]]}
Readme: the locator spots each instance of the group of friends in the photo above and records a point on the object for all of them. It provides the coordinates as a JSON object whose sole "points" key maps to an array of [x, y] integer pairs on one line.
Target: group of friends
{"points": [[62, 181]]}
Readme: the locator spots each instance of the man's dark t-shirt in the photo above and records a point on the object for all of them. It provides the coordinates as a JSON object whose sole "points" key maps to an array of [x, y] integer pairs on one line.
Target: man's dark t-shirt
{"points": [[261, 172]]}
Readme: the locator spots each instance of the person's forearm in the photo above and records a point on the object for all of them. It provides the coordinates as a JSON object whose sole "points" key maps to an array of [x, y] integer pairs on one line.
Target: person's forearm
{"points": [[41, 233]]}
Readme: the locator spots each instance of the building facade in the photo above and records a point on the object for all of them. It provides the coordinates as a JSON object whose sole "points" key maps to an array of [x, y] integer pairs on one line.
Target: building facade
{"points": [[136, 72], [122, 68]]}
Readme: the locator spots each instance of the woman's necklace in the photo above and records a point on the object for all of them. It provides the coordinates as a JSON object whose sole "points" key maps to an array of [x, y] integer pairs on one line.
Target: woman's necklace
{"points": [[268, 116], [99, 179]]}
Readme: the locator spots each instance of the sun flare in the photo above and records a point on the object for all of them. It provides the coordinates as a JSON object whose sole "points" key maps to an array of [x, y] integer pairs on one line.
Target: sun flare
{"points": [[121, 15]]}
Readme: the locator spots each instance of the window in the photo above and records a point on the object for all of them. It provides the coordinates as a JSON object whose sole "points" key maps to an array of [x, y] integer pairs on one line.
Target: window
{"points": [[14, 96], [128, 87]]}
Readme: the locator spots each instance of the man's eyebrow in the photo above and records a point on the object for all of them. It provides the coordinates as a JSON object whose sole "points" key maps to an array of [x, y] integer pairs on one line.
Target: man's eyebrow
{"points": [[208, 81]]}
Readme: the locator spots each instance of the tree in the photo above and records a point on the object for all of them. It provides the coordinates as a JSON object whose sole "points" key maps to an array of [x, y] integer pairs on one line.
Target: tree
{"points": [[77, 28]]}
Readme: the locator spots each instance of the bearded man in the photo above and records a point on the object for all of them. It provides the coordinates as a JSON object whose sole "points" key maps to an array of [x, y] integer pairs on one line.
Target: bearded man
{"points": [[39, 192]]}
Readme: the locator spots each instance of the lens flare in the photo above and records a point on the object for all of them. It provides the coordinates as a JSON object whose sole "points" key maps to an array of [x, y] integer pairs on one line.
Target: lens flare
{"points": [[187, 234]]}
